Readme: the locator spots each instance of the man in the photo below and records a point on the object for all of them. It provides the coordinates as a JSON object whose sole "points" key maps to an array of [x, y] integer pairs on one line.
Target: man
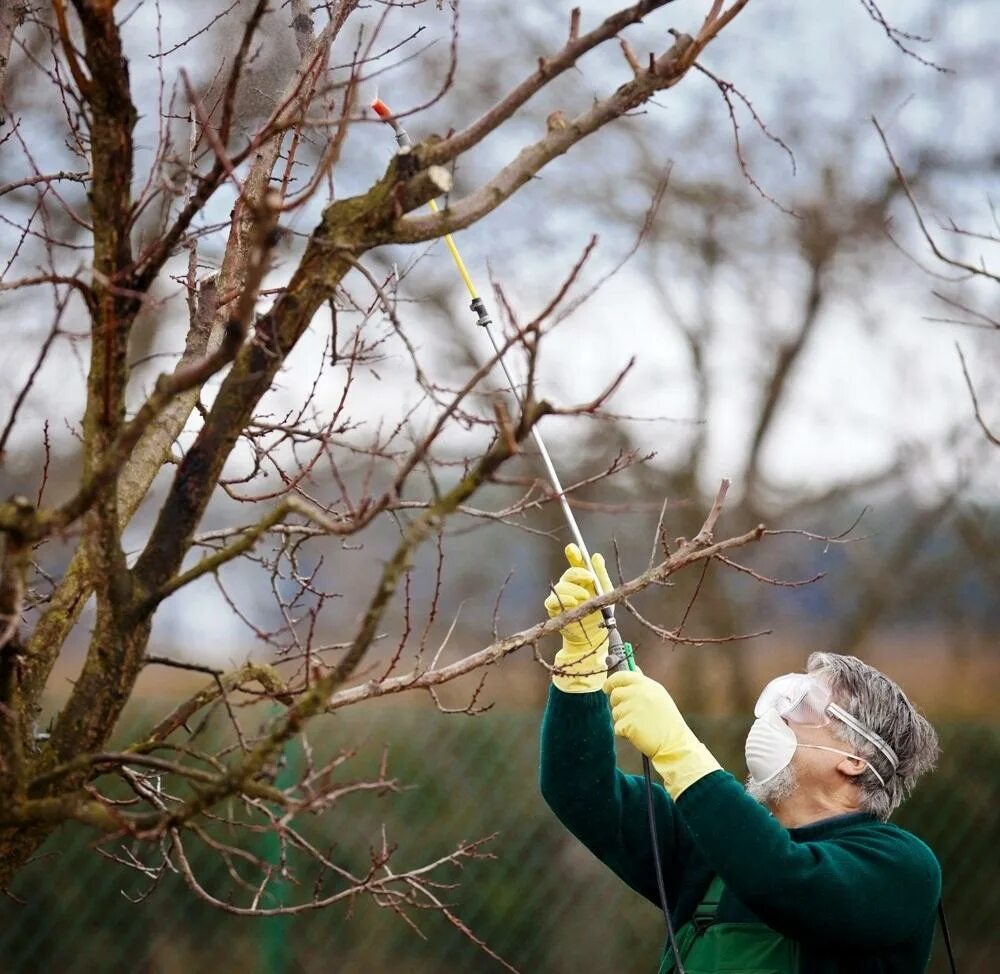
{"points": [[798, 872]]}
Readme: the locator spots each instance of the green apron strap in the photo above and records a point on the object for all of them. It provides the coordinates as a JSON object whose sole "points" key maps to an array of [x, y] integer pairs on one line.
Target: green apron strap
{"points": [[704, 913]]}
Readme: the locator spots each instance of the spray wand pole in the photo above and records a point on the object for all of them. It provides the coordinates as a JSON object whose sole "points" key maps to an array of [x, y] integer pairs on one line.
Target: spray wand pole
{"points": [[619, 652]]}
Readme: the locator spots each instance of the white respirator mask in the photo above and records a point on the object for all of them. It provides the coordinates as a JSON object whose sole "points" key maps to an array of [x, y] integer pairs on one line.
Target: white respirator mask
{"points": [[799, 698]]}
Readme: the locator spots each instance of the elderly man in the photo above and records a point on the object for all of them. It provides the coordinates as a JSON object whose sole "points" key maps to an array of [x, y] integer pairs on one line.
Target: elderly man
{"points": [[799, 871]]}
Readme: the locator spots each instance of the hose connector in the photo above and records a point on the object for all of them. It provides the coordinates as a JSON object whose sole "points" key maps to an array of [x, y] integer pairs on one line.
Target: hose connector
{"points": [[483, 318], [619, 653]]}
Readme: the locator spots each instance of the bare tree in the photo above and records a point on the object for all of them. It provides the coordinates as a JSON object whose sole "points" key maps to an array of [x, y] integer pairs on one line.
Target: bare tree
{"points": [[270, 444], [117, 247]]}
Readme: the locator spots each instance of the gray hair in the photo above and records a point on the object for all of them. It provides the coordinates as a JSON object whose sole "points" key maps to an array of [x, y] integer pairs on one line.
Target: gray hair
{"points": [[882, 707]]}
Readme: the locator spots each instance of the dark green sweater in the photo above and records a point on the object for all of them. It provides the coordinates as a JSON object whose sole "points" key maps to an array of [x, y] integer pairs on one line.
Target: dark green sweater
{"points": [[859, 895]]}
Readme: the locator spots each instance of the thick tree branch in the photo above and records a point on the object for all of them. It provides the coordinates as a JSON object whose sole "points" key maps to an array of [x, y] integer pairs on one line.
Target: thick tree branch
{"points": [[111, 117], [699, 548], [665, 72], [447, 150], [266, 676]]}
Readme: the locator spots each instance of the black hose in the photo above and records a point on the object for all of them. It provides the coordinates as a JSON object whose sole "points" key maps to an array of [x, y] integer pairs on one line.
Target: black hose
{"points": [[947, 938], [658, 866], [620, 658]]}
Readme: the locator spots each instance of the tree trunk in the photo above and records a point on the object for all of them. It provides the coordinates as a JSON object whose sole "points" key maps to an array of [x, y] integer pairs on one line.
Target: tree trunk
{"points": [[17, 846]]}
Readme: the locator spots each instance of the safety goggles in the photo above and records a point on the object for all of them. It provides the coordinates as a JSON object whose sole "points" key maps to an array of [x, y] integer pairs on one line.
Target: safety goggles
{"points": [[803, 699]]}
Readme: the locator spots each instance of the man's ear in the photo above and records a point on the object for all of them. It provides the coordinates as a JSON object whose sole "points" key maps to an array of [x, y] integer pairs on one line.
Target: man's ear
{"points": [[852, 767]]}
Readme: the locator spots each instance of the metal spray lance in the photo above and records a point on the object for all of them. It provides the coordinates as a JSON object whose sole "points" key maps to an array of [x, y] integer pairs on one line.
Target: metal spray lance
{"points": [[619, 652]]}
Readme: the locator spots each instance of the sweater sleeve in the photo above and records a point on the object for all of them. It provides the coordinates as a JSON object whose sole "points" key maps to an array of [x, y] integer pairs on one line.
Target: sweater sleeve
{"points": [[863, 888], [603, 807]]}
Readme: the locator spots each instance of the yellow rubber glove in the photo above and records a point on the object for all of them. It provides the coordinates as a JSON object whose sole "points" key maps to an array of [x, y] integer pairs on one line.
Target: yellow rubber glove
{"points": [[646, 715], [582, 660]]}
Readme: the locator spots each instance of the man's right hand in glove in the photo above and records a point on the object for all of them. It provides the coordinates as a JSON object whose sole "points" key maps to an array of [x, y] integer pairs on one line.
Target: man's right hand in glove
{"points": [[581, 662]]}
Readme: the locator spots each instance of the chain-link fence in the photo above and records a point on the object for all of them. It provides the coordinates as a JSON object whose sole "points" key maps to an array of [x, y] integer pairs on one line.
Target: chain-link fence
{"points": [[544, 904]]}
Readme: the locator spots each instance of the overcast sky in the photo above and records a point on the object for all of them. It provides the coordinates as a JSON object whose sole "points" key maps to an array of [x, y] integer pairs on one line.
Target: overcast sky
{"points": [[877, 376]]}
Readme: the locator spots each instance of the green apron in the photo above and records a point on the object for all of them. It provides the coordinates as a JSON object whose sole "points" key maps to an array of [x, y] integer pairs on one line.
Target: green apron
{"points": [[708, 947]]}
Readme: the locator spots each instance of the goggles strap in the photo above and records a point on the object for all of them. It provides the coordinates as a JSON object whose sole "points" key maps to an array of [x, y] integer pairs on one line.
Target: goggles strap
{"points": [[887, 752]]}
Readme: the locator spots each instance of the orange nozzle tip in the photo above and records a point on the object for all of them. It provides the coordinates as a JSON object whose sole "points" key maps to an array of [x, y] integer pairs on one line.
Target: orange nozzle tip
{"points": [[381, 109]]}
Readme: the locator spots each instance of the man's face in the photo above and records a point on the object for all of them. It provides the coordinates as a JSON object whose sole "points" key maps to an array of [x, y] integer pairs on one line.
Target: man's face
{"points": [[813, 769]]}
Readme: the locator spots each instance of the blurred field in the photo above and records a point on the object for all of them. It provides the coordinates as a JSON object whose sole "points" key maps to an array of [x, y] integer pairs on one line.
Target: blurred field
{"points": [[544, 904]]}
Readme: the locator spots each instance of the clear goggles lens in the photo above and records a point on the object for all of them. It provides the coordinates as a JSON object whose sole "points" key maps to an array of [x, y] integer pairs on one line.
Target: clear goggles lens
{"points": [[798, 698]]}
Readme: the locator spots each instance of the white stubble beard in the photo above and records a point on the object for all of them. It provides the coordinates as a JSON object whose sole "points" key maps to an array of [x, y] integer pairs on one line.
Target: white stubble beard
{"points": [[775, 790]]}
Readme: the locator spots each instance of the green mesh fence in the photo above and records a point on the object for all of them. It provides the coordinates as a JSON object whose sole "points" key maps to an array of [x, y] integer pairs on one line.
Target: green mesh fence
{"points": [[544, 904]]}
